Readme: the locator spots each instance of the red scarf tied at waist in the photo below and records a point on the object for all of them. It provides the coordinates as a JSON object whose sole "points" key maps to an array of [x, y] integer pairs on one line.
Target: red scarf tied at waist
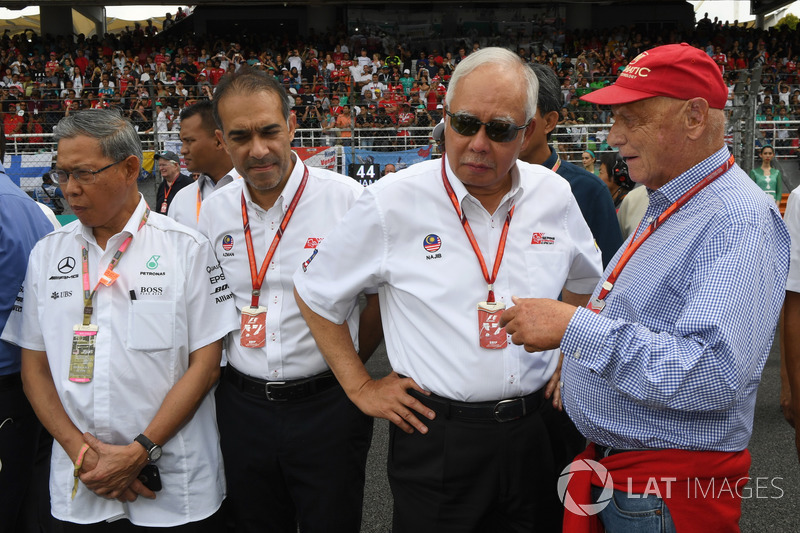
{"points": [[702, 489]]}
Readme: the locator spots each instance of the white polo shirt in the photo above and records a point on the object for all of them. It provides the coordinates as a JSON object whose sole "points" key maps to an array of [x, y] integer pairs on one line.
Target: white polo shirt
{"points": [[792, 220], [290, 351], [184, 208], [142, 350], [429, 293]]}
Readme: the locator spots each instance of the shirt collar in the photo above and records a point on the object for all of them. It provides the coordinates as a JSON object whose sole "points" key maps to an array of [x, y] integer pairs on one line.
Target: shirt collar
{"points": [[676, 187], [551, 159], [461, 191], [131, 227], [292, 184]]}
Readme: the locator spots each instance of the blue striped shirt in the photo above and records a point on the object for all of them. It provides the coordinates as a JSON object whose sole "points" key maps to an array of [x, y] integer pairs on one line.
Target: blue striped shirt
{"points": [[675, 357]]}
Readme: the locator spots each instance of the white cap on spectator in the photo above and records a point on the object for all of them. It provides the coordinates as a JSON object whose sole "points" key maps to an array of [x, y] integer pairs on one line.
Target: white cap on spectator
{"points": [[406, 71]]}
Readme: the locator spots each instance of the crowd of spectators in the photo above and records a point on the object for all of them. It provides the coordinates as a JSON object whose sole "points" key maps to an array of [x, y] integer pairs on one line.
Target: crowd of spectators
{"points": [[338, 82]]}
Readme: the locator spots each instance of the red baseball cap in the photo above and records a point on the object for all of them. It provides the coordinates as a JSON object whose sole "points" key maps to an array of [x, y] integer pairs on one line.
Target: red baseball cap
{"points": [[674, 70]]}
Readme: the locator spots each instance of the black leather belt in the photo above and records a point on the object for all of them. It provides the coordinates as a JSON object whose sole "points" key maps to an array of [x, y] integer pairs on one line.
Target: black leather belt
{"points": [[499, 411], [601, 452], [279, 391], [11, 381]]}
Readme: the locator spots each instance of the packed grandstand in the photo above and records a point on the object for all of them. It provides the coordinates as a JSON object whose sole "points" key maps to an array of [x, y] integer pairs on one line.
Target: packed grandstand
{"points": [[374, 93]]}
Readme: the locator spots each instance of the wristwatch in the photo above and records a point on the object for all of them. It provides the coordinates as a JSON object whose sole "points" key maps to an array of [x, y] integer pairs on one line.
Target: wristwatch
{"points": [[153, 449]]}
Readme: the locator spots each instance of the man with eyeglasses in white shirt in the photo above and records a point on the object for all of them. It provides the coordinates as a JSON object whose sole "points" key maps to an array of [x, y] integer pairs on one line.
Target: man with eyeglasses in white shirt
{"points": [[120, 321], [448, 243]]}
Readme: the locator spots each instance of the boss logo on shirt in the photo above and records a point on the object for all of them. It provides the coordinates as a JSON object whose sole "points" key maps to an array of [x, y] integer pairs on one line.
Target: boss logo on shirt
{"points": [[151, 291]]}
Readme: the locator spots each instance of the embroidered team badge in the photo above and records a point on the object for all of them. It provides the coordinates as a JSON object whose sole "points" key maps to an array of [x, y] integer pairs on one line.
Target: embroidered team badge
{"points": [[227, 242], [432, 243], [313, 242], [541, 238]]}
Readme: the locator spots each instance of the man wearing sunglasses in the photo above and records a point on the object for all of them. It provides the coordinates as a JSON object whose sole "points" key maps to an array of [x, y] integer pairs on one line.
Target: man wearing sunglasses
{"points": [[449, 242], [120, 321]]}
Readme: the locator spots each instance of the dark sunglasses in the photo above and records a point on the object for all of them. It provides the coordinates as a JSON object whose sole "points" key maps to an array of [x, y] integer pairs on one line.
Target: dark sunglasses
{"points": [[499, 132]]}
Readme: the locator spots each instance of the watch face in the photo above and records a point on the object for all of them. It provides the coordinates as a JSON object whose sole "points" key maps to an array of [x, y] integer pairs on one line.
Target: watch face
{"points": [[155, 453]]}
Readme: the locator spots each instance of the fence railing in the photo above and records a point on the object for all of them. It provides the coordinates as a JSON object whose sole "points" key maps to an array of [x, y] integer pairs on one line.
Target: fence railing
{"points": [[569, 140]]}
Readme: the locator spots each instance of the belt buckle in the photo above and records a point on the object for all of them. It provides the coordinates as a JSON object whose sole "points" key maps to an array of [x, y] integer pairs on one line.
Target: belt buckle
{"points": [[498, 407], [267, 385]]}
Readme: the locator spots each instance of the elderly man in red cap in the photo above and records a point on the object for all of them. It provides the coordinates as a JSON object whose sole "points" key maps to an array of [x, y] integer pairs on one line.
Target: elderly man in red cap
{"points": [[661, 369]]}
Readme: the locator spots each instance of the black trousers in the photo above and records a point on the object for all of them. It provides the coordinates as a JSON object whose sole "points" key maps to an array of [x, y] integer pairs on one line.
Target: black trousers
{"points": [[25, 455], [212, 524], [293, 463], [481, 476]]}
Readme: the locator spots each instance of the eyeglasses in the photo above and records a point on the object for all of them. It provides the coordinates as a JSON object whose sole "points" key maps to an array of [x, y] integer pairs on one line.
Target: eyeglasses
{"points": [[500, 132], [84, 177]]}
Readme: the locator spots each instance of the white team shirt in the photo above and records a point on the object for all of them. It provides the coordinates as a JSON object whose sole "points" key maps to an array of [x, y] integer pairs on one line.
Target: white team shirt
{"points": [[792, 220], [429, 293], [142, 350], [290, 352], [183, 207]]}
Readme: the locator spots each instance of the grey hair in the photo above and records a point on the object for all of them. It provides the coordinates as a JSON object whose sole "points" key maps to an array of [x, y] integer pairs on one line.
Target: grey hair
{"points": [[500, 57], [116, 135]]}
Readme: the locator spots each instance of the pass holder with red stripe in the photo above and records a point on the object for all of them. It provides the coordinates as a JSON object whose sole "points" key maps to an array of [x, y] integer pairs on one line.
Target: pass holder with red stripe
{"points": [[490, 335], [597, 304], [254, 318]]}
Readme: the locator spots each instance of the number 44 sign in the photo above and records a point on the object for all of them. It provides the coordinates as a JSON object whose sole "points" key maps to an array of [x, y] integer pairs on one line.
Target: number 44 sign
{"points": [[365, 174]]}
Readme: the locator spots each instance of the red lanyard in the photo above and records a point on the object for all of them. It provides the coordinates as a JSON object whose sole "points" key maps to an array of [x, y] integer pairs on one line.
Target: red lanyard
{"points": [[168, 190], [501, 246], [598, 303], [109, 276], [258, 278]]}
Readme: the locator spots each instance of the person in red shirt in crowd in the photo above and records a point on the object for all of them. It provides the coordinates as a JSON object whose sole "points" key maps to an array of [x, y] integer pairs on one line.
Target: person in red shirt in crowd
{"points": [[335, 108], [216, 72], [388, 104], [405, 119], [53, 63], [14, 122], [337, 55], [81, 61], [160, 57], [720, 58], [346, 62]]}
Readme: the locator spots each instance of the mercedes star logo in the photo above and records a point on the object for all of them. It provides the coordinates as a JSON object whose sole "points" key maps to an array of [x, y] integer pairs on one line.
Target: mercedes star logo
{"points": [[66, 265]]}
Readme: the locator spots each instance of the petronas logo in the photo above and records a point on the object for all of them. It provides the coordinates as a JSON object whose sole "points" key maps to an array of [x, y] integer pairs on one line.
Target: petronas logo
{"points": [[152, 263]]}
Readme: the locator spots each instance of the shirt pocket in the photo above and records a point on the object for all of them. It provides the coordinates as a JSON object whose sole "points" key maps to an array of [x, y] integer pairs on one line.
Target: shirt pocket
{"points": [[547, 273], [151, 325]]}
